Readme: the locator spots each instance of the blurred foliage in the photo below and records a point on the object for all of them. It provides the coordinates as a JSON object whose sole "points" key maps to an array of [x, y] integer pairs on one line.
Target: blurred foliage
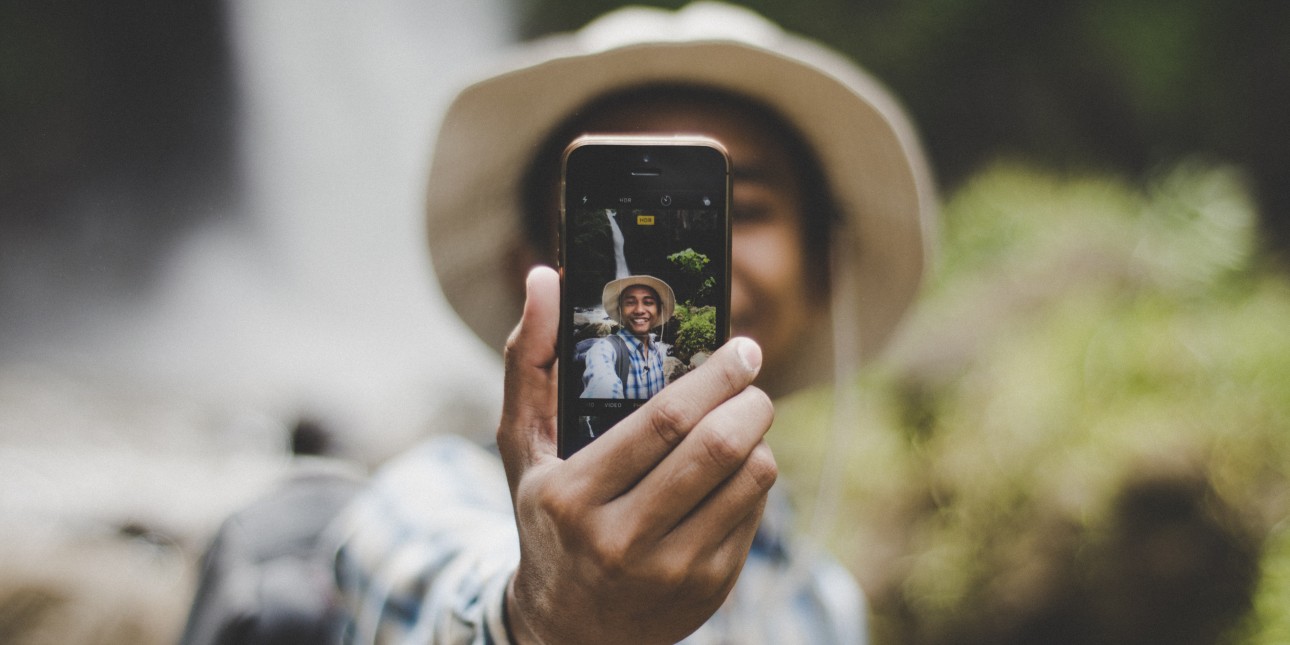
{"points": [[1084, 434], [1120, 85], [1270, 622]]}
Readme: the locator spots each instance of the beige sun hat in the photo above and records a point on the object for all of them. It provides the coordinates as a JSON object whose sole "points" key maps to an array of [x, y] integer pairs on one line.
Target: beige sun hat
{"points": [[867, 149], [614, 289]]}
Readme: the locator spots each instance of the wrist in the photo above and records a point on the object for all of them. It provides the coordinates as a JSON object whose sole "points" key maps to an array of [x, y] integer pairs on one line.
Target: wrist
{"points": [[517, 629]]}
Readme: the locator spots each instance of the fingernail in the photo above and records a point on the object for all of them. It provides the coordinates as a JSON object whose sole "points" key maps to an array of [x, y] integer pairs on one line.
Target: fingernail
{"points": [[749, 353]]}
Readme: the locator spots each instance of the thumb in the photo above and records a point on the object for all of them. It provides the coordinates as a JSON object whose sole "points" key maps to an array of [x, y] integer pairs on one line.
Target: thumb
{"points": [[527, 430]]}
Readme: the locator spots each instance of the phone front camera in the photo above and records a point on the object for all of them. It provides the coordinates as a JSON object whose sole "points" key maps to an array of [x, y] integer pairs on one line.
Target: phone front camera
{"points": [[666, 200]]}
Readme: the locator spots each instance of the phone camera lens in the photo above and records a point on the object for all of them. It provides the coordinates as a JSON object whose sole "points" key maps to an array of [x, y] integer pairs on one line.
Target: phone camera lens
{"points": [[666, 200], [646, 158]]}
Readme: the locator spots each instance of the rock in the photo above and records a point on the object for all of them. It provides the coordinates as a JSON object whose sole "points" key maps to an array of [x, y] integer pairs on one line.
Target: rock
{"points": [[673, 368]]}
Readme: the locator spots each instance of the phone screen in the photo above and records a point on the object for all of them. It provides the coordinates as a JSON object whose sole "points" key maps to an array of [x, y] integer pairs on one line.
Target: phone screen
{"points": [[646, 276]]}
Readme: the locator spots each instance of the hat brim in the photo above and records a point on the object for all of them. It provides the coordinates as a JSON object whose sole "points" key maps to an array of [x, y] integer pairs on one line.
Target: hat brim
{"points": [[614, 288], [866, 147]]}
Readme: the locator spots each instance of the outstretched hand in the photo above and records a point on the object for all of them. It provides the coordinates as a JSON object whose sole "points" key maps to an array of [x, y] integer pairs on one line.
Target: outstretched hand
{"points": [[640, 536]]}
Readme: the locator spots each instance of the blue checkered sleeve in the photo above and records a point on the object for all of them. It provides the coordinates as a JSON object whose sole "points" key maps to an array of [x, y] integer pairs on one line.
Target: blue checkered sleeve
{"points": [[426, 553], [600, 380]]}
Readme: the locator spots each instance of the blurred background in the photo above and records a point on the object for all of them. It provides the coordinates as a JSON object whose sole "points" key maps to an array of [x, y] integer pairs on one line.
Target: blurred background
{"points": [[211, 255]]}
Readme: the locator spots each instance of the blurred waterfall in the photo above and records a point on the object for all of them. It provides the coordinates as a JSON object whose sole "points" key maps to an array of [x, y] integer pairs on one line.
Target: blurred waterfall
{"points": [[143, 401], [312, 298], [337, 306]]}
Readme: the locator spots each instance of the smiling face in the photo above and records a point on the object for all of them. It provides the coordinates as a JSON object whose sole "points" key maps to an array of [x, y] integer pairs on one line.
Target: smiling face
{"points": [[638, 308], [771, 297], [781, 220]]}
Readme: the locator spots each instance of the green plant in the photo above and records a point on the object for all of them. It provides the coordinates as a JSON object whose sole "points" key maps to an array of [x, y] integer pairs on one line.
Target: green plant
{"points": [[698, 333], [695, 281]]}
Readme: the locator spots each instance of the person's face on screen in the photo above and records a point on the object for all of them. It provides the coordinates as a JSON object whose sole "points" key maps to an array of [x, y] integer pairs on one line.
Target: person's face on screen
{"points": [[770, 301], [639, 309]]}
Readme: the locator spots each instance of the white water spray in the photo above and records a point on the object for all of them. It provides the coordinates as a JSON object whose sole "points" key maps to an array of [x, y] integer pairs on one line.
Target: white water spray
{"points": [[620, 258]]}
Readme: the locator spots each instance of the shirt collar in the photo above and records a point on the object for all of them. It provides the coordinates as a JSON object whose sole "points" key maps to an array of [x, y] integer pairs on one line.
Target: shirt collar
{"points": [[631, 338]]}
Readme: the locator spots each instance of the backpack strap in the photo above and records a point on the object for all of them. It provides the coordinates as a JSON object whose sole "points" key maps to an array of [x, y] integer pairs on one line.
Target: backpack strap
{"points": [[623, 353]]}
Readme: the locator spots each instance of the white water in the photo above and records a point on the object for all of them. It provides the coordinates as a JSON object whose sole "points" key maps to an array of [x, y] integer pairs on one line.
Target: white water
{"points": [[341, 102], [317, 300], [620, 258]]}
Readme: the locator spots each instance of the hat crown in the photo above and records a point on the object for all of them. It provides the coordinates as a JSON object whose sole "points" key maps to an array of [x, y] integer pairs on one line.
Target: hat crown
{"points": [[699, 21], [869, 152], [614, 289]]}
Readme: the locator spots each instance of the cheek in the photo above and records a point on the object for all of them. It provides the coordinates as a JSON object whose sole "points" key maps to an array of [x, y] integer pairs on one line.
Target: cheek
{"points": [[766, 273], [764, 263]]}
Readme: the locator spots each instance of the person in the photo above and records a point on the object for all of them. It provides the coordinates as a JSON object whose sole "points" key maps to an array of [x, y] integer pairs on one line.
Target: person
{"points": [[639, 304], [668, 529]]}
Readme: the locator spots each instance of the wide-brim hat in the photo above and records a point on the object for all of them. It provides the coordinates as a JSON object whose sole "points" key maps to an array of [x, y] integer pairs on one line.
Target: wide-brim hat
{"points": [[867, 149], [614, 288]]}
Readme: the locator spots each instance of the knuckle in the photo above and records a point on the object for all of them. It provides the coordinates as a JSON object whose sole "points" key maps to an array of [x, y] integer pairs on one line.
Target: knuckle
{"points": [[722, 450], [558, 503], [709, 576], [696, 576], [610, 557], [670, 420], [761, 467], [511, 348], [673, 573]]}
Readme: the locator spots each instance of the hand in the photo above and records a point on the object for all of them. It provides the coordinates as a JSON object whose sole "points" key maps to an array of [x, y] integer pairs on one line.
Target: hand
{"points": [[640, 536]]}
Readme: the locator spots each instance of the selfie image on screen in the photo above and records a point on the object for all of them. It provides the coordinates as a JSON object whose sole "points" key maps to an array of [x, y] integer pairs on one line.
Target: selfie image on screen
{"points": [[645, 300]]}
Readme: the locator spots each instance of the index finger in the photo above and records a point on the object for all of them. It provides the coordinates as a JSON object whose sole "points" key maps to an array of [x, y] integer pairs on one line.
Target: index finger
{"points": [[617, 460]]}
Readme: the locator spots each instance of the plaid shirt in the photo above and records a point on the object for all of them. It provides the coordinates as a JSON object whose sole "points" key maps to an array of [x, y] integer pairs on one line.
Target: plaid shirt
{"points": [[644, 379], [427, 551]]}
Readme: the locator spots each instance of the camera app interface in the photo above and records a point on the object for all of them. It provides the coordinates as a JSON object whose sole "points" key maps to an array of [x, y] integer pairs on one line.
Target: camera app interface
{"points": [[645, 287]]}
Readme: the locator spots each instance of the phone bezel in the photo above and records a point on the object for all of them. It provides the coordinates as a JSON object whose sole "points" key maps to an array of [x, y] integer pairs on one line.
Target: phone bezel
{"points": [[624, 150]]}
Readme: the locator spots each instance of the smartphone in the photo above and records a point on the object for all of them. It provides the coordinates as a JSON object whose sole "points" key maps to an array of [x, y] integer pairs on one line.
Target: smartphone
{"points": [[645, 272]]}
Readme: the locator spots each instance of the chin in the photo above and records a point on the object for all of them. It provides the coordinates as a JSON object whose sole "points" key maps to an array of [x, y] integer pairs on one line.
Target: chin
{"points": [[745, 330], [744, 326]]}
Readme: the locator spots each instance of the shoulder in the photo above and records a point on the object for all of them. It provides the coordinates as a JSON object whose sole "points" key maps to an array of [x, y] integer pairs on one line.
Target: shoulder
{"points": [[457, 469], [606, 346]]}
